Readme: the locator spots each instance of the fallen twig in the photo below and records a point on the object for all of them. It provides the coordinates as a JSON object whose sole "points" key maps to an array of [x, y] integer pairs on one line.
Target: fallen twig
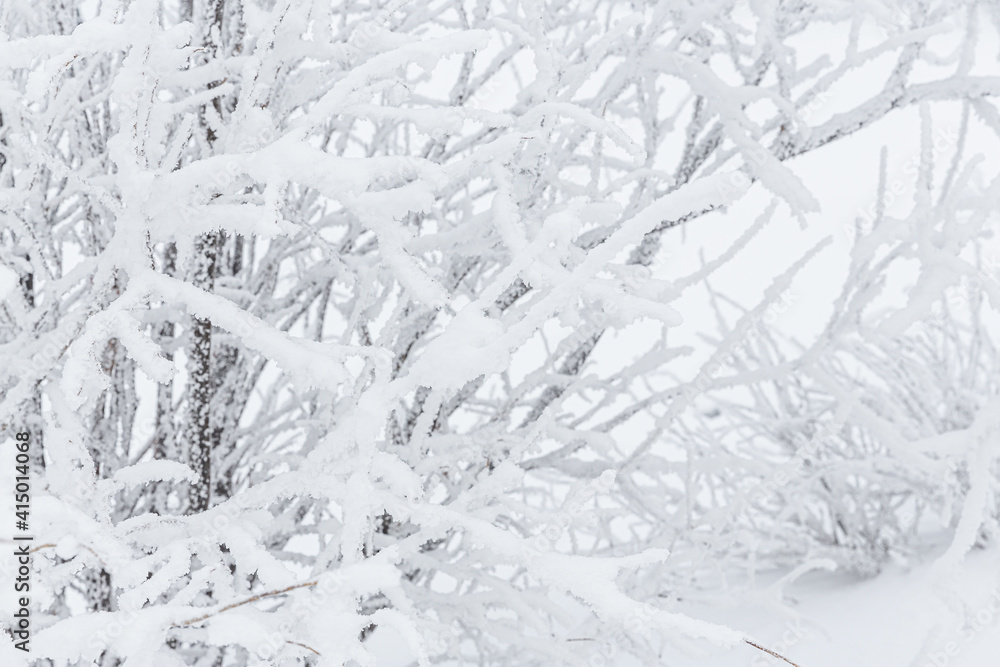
{"points": [[767, 650]]}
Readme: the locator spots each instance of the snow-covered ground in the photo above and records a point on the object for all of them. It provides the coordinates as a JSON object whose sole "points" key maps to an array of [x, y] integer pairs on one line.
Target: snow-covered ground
{"points": [[908, 617], [911, 616]]}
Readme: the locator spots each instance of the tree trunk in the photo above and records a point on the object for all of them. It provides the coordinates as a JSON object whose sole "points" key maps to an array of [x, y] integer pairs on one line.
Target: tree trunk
{"points": [[202, 386]]}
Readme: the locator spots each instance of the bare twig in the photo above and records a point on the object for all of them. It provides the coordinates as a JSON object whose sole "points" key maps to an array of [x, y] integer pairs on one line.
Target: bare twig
{"points": [[767, 650], [255, 598], [310, 648]]}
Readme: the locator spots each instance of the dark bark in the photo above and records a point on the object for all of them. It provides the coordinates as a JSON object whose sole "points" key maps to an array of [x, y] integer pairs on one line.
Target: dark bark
{"points": [[202, 384]]}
